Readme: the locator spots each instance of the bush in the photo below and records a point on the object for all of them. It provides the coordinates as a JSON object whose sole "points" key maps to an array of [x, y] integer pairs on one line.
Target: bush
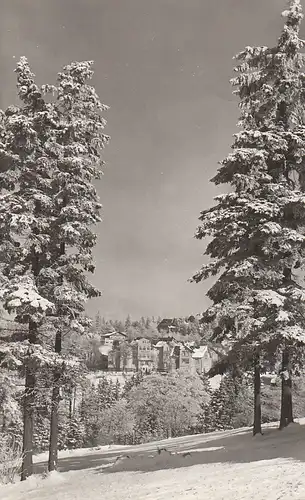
{"points": [[271, 399], [10, 458], [271, 403], [220, 412], [75, 433], [117, 424], [228, 409], [167, 405], [243, 416]]}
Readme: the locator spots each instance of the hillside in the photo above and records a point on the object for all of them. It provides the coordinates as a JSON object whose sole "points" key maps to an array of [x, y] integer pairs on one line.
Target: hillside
{"points": [[218, 466]]}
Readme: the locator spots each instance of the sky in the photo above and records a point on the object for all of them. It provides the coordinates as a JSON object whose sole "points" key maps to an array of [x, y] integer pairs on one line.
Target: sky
{"points": [[163, 67]]}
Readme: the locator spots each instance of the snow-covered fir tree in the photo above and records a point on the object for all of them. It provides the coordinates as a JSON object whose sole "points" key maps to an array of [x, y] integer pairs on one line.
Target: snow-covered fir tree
{"points": [[50, 156], [257, 229], [24, 216], [77, 146]]}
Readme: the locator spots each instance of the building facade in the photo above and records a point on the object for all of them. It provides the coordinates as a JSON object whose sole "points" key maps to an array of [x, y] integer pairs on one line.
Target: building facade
{"points": [[165, 355]]}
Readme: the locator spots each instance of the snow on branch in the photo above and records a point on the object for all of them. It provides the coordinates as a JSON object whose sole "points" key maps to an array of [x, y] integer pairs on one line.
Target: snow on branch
{"points": [[18, 354], [270, 297], [21, 296]]}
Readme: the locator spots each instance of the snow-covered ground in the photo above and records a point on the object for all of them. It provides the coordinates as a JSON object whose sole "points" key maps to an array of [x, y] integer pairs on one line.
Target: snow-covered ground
{"points": [[95, 377], [217, 466], [80, 452]]}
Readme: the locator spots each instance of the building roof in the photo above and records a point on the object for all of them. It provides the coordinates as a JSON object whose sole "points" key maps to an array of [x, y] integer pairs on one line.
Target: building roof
{"points": [[166, 340], [166, 324], [161, 343], [104, 349], [199, 352], [110, 334]]}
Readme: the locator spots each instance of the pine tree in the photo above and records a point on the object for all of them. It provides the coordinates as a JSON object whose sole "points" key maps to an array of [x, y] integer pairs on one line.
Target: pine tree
{"points": [[222, 407], [98, 323], [106, 393], [50, 156], [257, 236], [117, 390], [25, 214], [75, 433], [90, 413], [135, 380], [79, 142], [127, 322]]}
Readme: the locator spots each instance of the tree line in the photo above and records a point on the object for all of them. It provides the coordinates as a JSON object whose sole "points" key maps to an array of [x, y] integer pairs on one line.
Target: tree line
{"points": [[147, 326]]}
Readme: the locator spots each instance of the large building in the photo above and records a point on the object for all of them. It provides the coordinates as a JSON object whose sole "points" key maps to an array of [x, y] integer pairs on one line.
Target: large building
{"points": [[138, 355], [145, 355]]}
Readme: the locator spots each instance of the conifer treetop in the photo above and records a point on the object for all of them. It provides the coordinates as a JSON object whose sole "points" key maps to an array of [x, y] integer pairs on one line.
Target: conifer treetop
{"points": [[268, 76], [50, 151]]}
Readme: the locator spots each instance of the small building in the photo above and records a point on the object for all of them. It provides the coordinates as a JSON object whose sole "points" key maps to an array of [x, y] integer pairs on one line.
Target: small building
{"points": [[181, 355], [186, 353], [104, 351], [203, 359], [164, 348], [113, 338], [270, 379], [167, 326]]}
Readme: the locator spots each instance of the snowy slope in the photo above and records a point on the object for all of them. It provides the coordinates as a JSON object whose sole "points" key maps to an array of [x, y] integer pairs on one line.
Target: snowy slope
{"points": [[219, 466]]}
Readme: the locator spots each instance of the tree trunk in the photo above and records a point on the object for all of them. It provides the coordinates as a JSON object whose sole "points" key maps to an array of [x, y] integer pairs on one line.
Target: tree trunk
{"points": [[286, 397], [53, 445], [70, 405], [74, 401], [257, 423], [53, 448], [290, 406], [30, 379], [236, 376], [28, 411]]}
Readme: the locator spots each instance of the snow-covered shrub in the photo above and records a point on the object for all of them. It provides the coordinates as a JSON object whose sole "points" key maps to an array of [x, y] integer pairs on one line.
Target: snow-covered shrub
{"points": [[117, 424], [243, 416], [167, 406], [10, 458], [220, 412], [271, 400], [75, 433]]}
